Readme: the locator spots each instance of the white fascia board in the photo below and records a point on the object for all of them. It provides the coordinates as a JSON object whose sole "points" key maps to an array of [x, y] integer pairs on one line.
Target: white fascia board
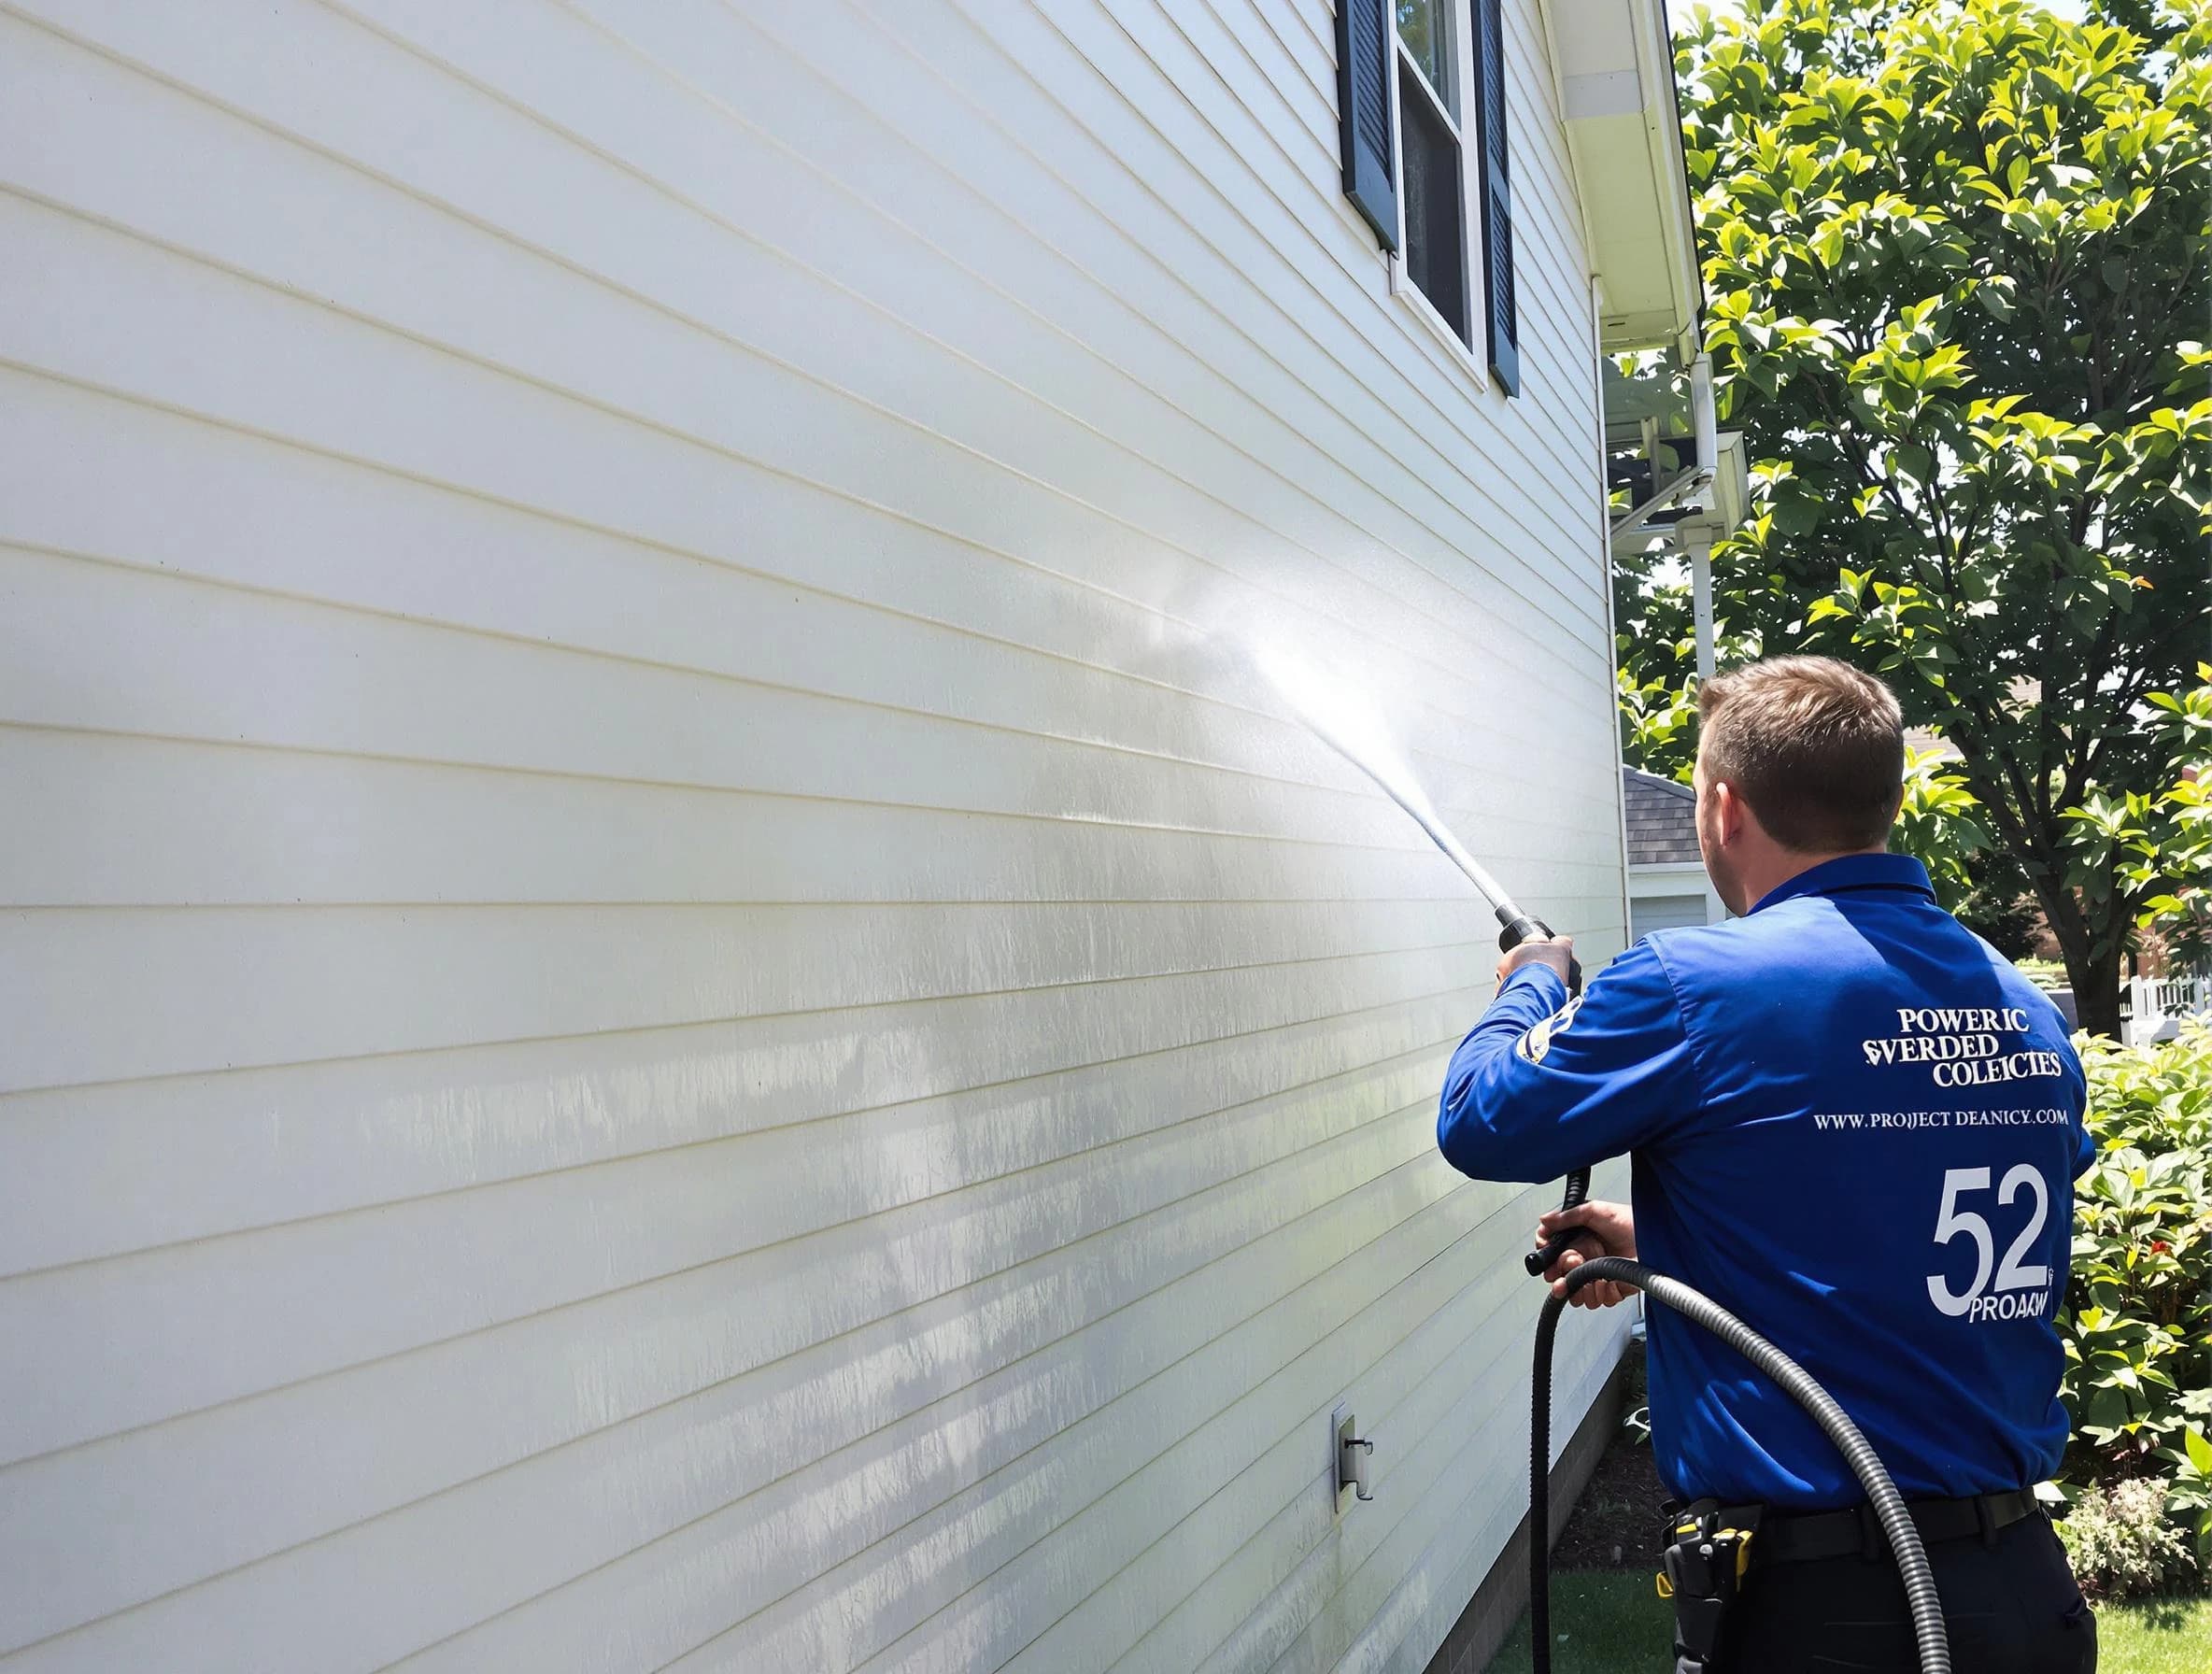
{"points": [[1623, 129], [1667, 877]]}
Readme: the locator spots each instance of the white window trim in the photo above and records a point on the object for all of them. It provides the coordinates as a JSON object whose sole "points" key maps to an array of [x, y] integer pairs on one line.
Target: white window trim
{"points": [[1474, 360]]}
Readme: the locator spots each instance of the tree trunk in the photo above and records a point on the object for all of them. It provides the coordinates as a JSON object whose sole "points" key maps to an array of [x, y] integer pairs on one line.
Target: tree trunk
{"points": [[2096, 995], [2094, 975]]}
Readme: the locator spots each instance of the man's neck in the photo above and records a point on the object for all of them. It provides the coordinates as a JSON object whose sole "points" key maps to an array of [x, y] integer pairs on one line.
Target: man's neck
{"points": [[1761, 877]]}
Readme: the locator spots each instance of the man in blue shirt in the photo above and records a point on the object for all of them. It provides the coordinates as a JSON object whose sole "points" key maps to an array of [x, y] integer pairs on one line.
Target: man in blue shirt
{"points": [[1853, 1124]]}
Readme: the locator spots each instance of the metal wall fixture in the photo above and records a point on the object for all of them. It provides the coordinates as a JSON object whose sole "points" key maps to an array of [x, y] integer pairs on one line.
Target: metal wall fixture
{"points": [[1352, 1454]]}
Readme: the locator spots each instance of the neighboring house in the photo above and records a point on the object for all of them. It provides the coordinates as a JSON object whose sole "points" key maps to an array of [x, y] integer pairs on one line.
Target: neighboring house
{"points": [[1667, 882], [668, 999]]}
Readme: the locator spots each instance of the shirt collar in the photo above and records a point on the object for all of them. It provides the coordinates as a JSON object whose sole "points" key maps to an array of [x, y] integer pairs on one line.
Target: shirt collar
{"points": [[1854, 871]]}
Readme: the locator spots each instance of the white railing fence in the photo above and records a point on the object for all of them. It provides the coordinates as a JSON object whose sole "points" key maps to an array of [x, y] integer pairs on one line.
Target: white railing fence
{"points": [[2157, 1004]]}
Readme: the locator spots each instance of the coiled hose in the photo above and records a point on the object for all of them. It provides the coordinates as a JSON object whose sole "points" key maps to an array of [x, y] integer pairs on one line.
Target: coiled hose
{"points": [[1794, 1382]]}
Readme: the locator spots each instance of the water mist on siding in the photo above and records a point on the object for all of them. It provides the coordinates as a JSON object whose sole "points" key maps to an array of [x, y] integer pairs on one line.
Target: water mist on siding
{"points": [[1339, 714]]}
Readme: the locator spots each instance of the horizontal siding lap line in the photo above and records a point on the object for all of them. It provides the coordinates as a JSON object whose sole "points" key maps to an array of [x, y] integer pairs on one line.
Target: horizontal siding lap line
{"points": [[1333, 1205], [321, 300], [1117, 1063], [1317, 71], [1487, 1545], [1059, 993], [1481, 944], [881, 211], [467, 1655], [1322, 172], [206, 660], [327, 305], [1377, 1183], [1346, 781], [796, 1608], [1220, 867], [1401, 1303], [1416, 387], [1491, 1528], [843, 187], [1571, 315], [425, 904], [1198, 632], [914, 1206], [268, 971], [1566, 455], [1526, 830], [1430, 1404], [1432, 1362], [1204, 646], [1365, 1251], [46, 375], [1279, 1617], [1351, 1082], [1323, 41], [1243, 155], [1075, 193]]}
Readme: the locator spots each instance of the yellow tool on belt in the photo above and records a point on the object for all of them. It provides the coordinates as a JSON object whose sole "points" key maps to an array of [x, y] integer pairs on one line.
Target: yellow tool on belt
{"points": [[1706, 1559]]}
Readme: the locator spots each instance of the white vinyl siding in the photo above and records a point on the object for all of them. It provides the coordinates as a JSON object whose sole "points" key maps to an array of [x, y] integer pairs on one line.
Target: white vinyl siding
{"points": [[659, 1003]]}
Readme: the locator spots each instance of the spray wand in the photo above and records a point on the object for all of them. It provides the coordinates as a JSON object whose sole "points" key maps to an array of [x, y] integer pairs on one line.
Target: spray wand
{"points": [[1515, 926], [1330, 712]]}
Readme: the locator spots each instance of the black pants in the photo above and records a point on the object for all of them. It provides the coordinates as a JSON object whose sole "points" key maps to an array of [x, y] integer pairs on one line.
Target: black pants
{"points": [[2012, 1607]]}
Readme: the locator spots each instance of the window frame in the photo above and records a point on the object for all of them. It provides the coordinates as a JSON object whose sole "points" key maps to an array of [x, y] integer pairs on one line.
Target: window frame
{"points": [[1460, 22]]}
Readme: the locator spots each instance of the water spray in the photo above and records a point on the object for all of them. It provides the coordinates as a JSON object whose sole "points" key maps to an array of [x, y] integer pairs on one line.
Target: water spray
{"points": [[1335, 713]]}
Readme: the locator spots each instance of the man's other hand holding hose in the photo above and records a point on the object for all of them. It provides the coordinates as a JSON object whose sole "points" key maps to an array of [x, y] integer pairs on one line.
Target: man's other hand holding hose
{"points": [[1605, 1229]]}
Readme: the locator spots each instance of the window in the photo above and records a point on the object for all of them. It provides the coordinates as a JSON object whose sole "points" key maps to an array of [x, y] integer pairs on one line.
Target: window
{"points": [[1435, 247], [1406, 73]]}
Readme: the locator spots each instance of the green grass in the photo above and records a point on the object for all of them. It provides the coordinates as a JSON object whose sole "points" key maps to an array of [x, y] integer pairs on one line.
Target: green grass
{"points": [[1603, 1621], [1614, 1622], [2155, 1636]]}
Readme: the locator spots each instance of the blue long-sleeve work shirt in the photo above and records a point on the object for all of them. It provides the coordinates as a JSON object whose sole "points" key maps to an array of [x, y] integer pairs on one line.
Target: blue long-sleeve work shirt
{"points": [[1853, 1124]]}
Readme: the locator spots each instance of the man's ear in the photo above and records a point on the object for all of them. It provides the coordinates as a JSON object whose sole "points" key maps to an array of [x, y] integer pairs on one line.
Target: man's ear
{"points": [[1729, 812]]}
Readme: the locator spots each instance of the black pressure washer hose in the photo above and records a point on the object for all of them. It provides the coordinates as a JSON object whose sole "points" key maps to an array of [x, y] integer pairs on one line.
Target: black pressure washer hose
{"points": [[1889, 1505]]}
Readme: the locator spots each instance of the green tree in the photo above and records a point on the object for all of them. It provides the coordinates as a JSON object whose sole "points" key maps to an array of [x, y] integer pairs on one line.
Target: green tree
{"points": [[1956, 263]]}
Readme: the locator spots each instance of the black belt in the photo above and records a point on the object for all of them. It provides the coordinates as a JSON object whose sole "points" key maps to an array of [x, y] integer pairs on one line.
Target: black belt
{"points": [[1801, 1536]]}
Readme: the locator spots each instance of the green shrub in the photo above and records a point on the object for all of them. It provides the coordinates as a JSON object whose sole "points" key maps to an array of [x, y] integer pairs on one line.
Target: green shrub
{"points": [[2138, 1316], [2122, 1541]]}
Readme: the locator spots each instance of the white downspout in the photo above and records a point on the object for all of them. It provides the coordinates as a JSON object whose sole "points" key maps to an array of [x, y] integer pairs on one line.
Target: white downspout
{"points": [[1696, 533]]}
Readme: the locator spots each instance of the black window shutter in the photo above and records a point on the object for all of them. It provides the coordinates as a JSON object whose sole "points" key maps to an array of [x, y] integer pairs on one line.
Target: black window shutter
{"points": [[1500, 323], [1363, 114]]}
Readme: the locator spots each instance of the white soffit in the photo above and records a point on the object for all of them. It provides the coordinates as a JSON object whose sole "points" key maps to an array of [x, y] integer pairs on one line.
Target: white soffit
{"points": [[1616, 71]]}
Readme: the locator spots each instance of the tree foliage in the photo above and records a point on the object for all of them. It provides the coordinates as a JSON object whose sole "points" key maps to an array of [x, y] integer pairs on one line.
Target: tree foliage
{"points": [[1955, 257]]}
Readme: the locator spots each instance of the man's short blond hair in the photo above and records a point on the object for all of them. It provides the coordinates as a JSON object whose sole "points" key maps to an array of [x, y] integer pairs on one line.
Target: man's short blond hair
{"points": [[1814, 746]]}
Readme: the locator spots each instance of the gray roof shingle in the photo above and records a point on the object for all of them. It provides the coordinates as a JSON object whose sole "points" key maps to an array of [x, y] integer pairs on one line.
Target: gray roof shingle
{"points": [[1662, 819]]}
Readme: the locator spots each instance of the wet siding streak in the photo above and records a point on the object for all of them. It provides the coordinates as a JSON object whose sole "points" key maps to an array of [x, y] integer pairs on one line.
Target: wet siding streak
{"points": [[669, 1004]]}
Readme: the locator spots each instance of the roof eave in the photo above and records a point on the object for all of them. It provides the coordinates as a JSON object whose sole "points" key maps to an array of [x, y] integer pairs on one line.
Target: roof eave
{"points": [[1624, 132]]}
